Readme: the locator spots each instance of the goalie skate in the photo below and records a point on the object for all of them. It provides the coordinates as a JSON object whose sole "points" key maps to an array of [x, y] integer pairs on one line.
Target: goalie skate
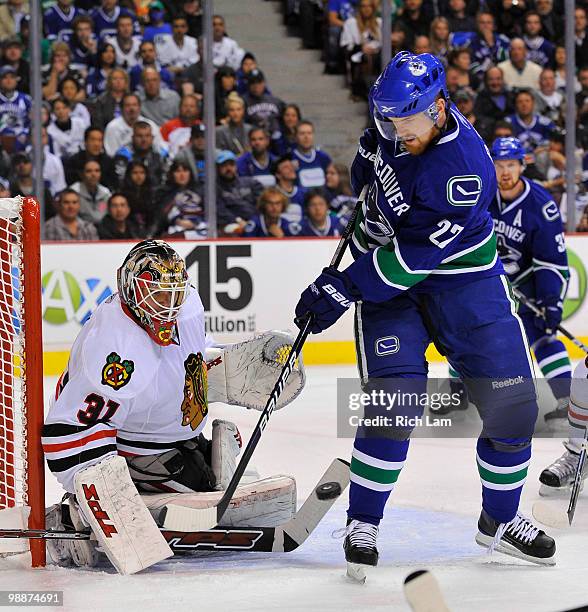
{"points": [[519, 538], [558, 478]]}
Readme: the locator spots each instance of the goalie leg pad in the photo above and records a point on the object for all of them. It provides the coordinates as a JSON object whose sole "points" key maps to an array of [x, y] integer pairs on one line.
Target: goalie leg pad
{"points": [[265, 503], [123, 526], [226, 446]]}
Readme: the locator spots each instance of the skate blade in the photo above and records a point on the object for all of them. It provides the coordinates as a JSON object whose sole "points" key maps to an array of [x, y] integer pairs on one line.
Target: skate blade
{"points": [[551, 515], [356, 573], [507, 549]]}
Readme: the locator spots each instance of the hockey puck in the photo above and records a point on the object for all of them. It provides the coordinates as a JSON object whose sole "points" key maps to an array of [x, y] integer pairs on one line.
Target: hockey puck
{"points": [[328, 490]]}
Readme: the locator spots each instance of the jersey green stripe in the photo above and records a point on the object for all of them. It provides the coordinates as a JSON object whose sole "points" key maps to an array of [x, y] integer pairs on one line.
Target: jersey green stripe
{"points": [[357, 232], [495, 478], [481, 256], [373, 473], [393, 270]]}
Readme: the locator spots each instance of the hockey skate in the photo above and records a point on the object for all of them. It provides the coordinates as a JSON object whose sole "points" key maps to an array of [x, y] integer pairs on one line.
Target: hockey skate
{"points": [[558, 478], [519, 538], [81, 553], [360, 548]]}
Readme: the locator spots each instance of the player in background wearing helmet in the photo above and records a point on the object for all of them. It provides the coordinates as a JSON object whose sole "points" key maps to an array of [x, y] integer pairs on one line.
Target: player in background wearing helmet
{"points": [[531, 244], [138, 384], [426, 268]]}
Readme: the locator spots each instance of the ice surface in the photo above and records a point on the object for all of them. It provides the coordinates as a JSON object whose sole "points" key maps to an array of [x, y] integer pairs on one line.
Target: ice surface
{"points": [[430, 523]]}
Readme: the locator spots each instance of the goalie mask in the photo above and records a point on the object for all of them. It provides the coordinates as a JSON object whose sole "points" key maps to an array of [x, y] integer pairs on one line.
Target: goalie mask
{"points": [[153, 286]]}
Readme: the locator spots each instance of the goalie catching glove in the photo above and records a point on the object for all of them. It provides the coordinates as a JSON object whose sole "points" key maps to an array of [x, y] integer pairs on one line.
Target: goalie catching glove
{"points": [[245, 373]]}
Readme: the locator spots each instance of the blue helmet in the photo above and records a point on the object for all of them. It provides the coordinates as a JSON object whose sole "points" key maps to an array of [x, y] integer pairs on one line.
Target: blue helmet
{"points": [[409, 84], [507, 148]]}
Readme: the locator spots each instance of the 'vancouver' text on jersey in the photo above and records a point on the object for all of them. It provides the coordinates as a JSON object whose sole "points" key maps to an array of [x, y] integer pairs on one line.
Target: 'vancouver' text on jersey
{"points": [[425, 219]]}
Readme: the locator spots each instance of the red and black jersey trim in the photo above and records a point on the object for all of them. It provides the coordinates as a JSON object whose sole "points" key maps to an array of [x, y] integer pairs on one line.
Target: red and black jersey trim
{"points": [[66, 463], [54, 430]]}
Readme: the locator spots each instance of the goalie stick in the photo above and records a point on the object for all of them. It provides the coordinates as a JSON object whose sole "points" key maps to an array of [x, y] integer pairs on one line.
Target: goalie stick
{"points": [[544, 512], [178, 518], [284, 538], [550, 514]]}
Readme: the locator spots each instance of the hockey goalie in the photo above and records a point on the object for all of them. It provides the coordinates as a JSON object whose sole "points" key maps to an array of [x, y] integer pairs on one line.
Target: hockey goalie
{"points": [[124, 436]]}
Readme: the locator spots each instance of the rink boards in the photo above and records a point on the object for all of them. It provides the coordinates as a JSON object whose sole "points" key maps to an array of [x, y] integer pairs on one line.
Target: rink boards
{"points": [[245, 286]]}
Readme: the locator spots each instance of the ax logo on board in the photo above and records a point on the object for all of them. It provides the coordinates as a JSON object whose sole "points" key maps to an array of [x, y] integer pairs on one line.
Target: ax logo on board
{"points": [[67, 298]]}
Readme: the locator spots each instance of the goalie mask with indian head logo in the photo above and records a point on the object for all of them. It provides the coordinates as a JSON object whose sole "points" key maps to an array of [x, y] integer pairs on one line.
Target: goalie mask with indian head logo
{"points": [[153, 286]]}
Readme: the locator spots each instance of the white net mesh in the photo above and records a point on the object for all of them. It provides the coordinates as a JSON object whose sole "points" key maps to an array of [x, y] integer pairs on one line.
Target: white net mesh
{"points": [[13, 433]]}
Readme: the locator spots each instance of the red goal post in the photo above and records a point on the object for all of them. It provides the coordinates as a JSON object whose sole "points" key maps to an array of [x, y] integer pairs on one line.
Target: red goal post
{"points": [[22, 482]]}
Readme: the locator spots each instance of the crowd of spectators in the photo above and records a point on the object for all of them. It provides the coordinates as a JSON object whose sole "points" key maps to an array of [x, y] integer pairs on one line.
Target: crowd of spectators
{"points": [[123, 136], [505, 64]]}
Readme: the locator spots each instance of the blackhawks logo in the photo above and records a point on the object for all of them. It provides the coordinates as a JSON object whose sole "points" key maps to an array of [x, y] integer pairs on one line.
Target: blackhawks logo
{"points": [[195, 403], [117, 373]]}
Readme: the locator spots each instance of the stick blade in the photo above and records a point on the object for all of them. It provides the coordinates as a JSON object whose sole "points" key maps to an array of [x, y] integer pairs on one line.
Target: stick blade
{"points": [[551, 515], [423, 593], [181, 518]]}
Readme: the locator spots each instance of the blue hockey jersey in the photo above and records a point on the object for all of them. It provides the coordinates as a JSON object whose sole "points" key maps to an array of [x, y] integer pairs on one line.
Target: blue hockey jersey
{"points": [[533, 135], [484, 55], [105, 25], [257, 228], [334, 227], [540, 51], [295, 210], [247, 165], [58, 25], [531, 241], [15, 114], [425, 222], [311, 168]]}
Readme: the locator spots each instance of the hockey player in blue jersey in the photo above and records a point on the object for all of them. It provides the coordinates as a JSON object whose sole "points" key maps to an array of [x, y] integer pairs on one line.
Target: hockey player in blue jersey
{"points": [[426, 268], [531, 245], [532, 248]]}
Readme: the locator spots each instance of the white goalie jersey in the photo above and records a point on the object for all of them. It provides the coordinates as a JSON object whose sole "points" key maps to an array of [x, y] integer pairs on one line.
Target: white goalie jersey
{"points": [[123, 393]]}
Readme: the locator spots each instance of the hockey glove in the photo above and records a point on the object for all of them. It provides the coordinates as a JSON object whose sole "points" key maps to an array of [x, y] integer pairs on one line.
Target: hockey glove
{"points": [[552, 310], [331, 294]]}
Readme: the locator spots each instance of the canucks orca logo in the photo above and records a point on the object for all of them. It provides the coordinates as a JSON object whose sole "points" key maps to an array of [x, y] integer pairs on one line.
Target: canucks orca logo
{"points": [[417, 68], [510, 257], [376, 223]]}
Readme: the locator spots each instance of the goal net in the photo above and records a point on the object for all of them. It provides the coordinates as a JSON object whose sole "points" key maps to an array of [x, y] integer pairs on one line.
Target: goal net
{"points": [[21, 374]]}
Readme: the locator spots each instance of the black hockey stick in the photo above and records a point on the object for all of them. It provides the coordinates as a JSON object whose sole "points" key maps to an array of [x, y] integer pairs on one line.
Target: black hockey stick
{"points": [[283, 538], [179, 518], [536, 310]]}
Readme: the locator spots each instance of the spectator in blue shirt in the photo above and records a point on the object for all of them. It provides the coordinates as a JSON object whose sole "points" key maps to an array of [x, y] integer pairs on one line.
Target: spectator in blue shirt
{"points": [[270, 223], [529, 127], [258, 162], [157, 25], [286, 180], [311, 163], [317, 220]]}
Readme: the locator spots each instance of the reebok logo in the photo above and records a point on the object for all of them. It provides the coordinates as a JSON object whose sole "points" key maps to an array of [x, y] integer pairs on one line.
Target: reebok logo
{"points": [[507, 382], [338, 297]]}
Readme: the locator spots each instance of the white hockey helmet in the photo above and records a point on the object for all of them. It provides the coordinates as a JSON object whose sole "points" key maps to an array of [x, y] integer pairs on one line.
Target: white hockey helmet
{"points": [[153, 286]]}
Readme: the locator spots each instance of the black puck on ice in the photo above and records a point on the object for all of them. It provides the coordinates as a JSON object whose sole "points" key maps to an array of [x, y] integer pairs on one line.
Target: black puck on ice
{"points": [[328, 490]]}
